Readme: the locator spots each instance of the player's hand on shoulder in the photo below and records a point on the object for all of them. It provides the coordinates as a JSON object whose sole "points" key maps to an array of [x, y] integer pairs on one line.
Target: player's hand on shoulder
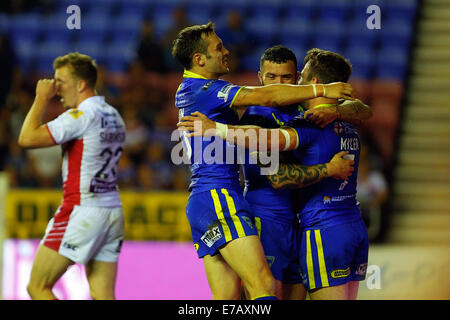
{"points": [[339, 167], [321, 116], [197, 124], [339, 90], [46, 88]]}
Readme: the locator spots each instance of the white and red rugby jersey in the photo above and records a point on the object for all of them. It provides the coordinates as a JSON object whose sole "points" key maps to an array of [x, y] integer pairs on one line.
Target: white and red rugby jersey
{"points": [[92, 137]]}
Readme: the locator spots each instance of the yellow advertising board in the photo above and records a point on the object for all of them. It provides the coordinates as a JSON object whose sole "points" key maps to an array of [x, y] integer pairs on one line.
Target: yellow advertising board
{"points": [[148, 216]]}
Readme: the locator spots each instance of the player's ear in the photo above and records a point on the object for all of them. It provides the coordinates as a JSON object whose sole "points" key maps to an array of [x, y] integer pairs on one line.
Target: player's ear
{"points": [[260, 77], [199, 59], [297, 77], [314, 80], [81, 85]]}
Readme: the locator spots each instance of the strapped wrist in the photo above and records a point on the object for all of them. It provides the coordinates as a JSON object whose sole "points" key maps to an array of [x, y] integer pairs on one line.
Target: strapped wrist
{"points": [[222, 130]]}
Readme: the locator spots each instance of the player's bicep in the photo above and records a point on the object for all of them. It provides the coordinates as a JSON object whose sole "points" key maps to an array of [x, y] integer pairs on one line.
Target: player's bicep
{"points": [[41, 138], [250, 96]]}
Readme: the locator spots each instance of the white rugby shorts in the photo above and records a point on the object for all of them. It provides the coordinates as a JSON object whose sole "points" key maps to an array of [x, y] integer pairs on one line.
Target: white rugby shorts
{"points": [[82, 233]]}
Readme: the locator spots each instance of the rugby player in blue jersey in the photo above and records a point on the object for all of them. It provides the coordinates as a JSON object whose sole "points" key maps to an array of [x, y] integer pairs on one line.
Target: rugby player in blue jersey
{"points": [[221, 225], [273, 209], [334, 246]]}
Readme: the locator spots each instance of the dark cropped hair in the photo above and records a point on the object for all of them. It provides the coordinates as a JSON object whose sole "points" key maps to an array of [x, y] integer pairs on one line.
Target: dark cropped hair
{"points": [[278, 54], [327, 66], [189, 41], [83, 66]]}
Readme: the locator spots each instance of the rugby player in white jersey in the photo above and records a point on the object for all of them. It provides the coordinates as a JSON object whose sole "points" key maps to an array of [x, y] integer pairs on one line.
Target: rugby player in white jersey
{"points": [[88, 226]]}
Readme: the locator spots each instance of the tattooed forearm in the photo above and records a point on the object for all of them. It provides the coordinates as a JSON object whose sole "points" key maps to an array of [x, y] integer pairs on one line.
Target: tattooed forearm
{"points": [[354, 111], [297, 176]]}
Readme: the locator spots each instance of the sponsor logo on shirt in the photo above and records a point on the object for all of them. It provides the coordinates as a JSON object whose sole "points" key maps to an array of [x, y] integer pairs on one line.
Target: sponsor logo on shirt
{"points": [[328, 200], [340, 273], [196, 246], [211, 236], [76, 113], [224, 92], [70, 246]]}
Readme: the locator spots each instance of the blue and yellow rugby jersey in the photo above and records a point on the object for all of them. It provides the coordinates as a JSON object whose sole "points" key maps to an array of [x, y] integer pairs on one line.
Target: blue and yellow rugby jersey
{"points": [[331, 201], [277, 203], [214, 98]]}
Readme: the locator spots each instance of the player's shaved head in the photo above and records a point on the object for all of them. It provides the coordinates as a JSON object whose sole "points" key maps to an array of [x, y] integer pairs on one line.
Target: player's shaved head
{"points": [[278, 54], [189, 41]]}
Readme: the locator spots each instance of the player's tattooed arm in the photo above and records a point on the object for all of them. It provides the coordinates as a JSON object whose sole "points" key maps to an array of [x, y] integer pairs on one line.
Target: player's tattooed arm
{"points": [[291, 175], [354, 111], [297, 176]]}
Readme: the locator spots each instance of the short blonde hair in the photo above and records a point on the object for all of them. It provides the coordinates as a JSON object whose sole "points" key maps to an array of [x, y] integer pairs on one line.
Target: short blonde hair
{"points": [[83, 66]]}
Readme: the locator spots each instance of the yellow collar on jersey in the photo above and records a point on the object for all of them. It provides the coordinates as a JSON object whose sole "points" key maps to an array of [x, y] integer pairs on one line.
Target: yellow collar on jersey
{"points": [[190, 74], [325, 105]]}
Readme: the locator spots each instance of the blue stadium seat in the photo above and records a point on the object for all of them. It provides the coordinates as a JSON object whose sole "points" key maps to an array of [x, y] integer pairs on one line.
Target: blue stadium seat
{"points": [[261, 30], [396, 32], [356, 30], [127, 28], [55, 28], [295, 31], [126, 7], [392, 62], [402, 9], [200, 15], [251, 61], [302, 10], [118, 56], [239, 5], [93, 49], [362, 59], [334, 10], [300, 52], [25, 26], [328, 35], [327, 44], [161, 25], [47, 52], [266, 8]]}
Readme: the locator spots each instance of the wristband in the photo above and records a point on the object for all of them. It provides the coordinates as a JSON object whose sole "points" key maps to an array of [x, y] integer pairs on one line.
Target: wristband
{"points": [[222, 130], [324, 91], [287, 138], [314, 90]]}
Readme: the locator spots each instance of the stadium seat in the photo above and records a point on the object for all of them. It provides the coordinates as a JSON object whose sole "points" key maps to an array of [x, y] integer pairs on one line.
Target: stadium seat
{"points": [[300, 10], [251, 61], [402, 9], [392, 63], [118, 55], [240, 5], [293, 30], [133, 7], [261, 30], [47, 51], [362, 60], [200, 15], [328, 36], [94, 49], [334, 10], [23, 27], [396, 32], [127, 28], [265, 8]]}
